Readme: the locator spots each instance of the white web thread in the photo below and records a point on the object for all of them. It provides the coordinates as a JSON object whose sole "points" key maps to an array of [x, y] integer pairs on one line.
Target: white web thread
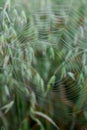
{"points": [[66, 44]]}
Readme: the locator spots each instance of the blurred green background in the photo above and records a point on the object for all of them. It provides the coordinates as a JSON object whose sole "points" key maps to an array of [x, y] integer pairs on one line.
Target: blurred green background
{"points": [[43, 64]]}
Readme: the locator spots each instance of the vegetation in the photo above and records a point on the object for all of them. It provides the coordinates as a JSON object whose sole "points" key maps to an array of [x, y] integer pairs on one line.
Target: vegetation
{"points": [[43, 64]]}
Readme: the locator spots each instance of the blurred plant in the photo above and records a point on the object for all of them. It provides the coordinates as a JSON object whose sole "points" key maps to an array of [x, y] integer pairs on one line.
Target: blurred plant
{"points": [[43, 64]]}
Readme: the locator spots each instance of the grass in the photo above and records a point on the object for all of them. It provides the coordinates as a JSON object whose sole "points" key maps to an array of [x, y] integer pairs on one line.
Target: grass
{"points": [[43, 65]]}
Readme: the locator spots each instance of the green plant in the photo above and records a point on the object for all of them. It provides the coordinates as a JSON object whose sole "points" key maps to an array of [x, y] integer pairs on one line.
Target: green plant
{"points": [[43, 64]]}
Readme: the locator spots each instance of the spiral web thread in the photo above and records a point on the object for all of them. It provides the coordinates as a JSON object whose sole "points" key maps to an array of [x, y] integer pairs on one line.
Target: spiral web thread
{"points": [[60, 21]]}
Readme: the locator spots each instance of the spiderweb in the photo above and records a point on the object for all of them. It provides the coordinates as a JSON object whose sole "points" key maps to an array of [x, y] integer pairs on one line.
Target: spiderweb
{"points": [[53, 40]]}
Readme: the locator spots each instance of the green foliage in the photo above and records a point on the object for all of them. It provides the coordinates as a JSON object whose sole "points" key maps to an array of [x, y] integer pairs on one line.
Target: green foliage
{"points": [[43, 59]]}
